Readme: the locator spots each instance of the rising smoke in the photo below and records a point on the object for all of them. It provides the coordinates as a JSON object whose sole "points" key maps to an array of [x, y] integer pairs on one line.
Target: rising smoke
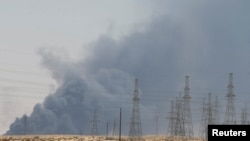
{"points": [[200, 42]]}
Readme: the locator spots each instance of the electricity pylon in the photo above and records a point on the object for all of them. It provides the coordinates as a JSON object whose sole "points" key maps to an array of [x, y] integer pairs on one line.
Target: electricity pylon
{"points": [[171, 121], [94, 130], [244, 115], [230, 115], [135, 130], [188, 124]]}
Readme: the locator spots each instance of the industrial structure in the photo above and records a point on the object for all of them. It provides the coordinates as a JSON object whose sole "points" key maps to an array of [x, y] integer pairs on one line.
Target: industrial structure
{"points": [[180, 119], [171, 121], [216, 111], [180, 116], [135, 130], [188, 124], [203, 124], [244, 115], [175, 119], [209, 115], [230, 115], [94, 129]]}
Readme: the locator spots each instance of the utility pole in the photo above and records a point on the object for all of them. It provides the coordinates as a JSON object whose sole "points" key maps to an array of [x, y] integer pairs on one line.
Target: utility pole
{"points": [[230, 115], [156, 125], [135, 130], [120, 128], [107, 130], [114, 126]]}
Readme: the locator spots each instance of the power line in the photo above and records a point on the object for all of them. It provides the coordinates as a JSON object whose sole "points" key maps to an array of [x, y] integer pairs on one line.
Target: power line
{"points": [[21, 81]]}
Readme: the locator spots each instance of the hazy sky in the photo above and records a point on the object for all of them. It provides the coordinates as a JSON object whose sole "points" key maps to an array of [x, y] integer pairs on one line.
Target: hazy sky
{"points": [[60, 25], [158, 41]]}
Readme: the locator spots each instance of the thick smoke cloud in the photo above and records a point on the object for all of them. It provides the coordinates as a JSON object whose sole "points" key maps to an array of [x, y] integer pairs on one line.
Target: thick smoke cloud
{"points": [[69, 110], [205, 41]]}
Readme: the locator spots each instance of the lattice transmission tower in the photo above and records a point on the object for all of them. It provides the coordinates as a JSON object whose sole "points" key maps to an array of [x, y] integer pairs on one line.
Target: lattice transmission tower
{"points": [[188, 124], [208, 116], [94, 129], [230, 115], [176, 119], [216, 111], [171, 121], [203, 124], [135, 130], [244, 115], [210, 111]]}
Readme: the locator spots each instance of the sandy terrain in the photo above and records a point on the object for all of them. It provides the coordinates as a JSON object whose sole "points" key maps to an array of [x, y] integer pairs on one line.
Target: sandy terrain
{"points": [[85, 138]]}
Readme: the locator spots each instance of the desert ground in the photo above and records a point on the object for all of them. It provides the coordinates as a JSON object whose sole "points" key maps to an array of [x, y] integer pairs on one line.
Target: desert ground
{"points": [[89, 138]]}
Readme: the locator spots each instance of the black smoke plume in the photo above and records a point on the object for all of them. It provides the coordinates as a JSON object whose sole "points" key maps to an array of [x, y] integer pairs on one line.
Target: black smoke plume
{"points": [[205, 41]]}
